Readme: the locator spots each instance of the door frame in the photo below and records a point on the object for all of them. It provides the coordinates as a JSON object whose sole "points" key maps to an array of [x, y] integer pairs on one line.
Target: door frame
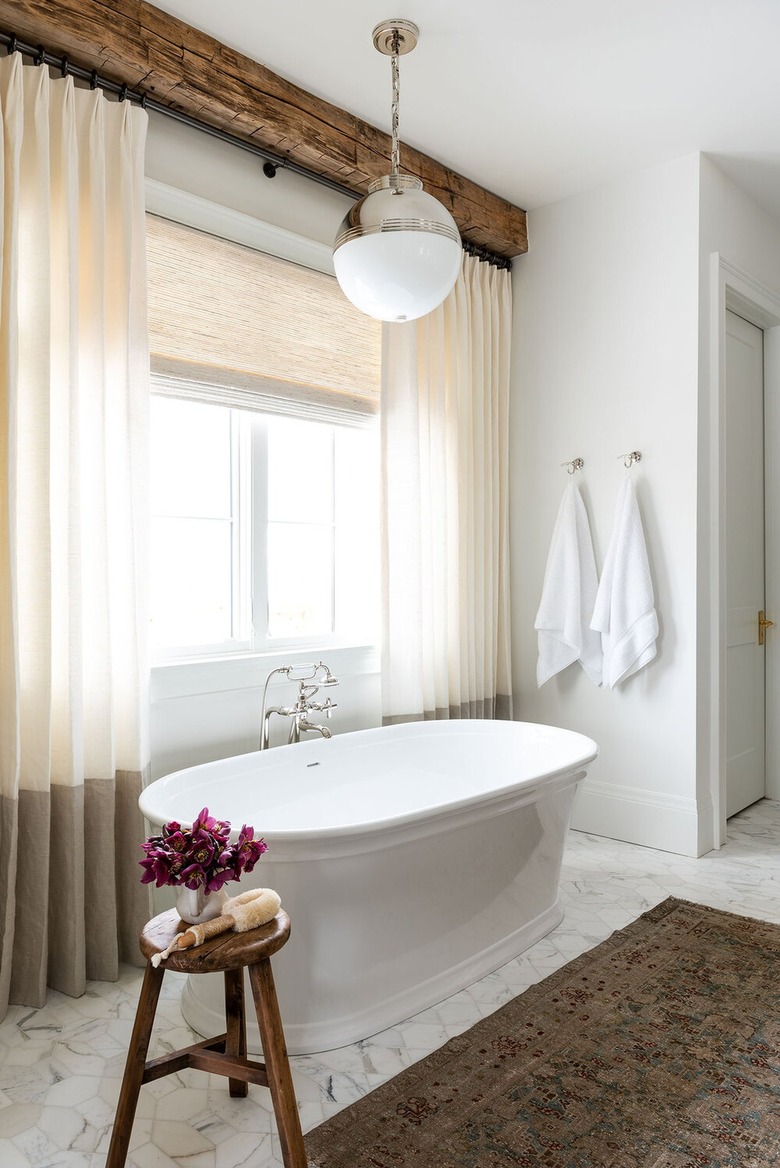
{"points": [[736, 290]]}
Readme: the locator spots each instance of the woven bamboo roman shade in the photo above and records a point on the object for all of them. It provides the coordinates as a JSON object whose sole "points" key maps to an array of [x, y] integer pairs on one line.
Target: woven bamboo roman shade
{"points": [[233, 325]]}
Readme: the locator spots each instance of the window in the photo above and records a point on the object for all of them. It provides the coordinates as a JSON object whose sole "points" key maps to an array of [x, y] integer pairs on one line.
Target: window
{"points": [[197, 549], [265, 518]]}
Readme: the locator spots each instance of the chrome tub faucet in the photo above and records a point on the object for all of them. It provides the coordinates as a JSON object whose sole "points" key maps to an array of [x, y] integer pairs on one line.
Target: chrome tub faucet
{"points": [[311, 679]]}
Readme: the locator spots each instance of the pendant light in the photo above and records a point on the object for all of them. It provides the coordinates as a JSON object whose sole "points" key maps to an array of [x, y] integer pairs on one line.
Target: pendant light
{"points": [[398, 252]]}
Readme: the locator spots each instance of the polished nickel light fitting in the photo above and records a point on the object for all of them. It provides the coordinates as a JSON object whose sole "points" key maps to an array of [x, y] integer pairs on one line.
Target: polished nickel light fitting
{"points": [[398, 252]]}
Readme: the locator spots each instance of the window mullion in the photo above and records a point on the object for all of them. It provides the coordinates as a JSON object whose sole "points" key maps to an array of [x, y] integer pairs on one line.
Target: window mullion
{"points": [[259, 522], [241, 525], [333, 575]]}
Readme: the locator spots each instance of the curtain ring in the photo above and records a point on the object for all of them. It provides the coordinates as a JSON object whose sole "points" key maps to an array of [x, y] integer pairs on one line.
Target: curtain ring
{"points": [[65, 65], [40, 56], [11, 46], [123, 91], [142, 102], [93, 79]]}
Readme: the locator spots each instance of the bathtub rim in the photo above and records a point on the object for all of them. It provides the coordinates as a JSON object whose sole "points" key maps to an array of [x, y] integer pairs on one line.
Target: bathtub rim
{"points": [[358, 838], [292, 848]]}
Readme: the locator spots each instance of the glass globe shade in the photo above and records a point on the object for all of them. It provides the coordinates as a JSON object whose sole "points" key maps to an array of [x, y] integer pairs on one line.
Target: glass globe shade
{"points": [[397, 253]]}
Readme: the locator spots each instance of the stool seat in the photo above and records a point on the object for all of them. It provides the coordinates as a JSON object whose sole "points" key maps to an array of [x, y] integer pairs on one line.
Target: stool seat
{"points": [[229, 954], [225, 951]]}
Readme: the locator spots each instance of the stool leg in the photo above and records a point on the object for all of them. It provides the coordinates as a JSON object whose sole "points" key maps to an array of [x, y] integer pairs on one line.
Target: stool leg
{"points": [[276, 1065], [235, 1025], [134, 1067]]}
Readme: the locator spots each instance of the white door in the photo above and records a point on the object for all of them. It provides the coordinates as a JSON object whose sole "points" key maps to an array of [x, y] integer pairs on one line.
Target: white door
{"points": [[744, 568]]}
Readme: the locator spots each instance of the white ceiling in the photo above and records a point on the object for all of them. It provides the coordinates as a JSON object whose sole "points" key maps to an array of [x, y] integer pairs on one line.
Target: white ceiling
{"points": [[539, 99]]}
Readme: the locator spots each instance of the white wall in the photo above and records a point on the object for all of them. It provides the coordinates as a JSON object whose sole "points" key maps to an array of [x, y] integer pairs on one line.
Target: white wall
{"points": [[734, 225], [606, 357], [212, 711], [193, 161]]}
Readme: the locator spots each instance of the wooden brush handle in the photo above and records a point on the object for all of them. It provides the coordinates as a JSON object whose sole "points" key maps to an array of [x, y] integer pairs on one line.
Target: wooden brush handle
{"points": [[200, 933]]}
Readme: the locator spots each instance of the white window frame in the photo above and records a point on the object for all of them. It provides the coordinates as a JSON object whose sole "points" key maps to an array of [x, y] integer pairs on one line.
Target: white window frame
{"points": [[219, 669]]}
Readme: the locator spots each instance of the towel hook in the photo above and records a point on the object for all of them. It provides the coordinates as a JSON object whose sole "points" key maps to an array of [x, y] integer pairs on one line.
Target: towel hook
{"points": [[575, 464], [631, 458]]}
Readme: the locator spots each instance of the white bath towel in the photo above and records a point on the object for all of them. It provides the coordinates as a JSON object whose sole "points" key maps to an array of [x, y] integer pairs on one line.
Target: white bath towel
{"points": [[625, 613], [568, 596]]}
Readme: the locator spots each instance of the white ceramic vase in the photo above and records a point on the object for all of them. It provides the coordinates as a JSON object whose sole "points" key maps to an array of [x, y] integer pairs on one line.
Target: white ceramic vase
{"points": [[195, 906]]}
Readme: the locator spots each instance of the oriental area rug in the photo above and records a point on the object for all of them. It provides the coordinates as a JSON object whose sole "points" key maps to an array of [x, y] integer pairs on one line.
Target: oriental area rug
{"points": [[660, 1048]]}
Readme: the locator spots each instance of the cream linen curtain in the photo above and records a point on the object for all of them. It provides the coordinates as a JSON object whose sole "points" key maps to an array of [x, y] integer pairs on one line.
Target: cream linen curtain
{"points": [[444, 408], [73, 429]]}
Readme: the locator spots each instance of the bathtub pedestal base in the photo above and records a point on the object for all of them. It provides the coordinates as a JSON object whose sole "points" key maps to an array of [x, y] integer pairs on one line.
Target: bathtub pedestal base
{"points": [[202, 1008]]}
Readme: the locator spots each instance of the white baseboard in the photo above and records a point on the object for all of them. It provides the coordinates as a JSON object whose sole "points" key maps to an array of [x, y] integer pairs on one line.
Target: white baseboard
{"points": [[669, 823]]}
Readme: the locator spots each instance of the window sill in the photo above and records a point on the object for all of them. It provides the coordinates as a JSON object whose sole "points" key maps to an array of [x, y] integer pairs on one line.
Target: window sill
{"points": [[181, 679]]}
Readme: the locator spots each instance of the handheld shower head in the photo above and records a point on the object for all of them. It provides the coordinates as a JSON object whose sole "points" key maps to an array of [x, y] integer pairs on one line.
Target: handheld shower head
{"points": [[328, 679]]}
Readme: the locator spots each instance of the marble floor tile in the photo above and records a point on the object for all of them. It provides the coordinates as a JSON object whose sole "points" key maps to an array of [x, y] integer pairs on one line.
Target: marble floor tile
{"points": [[11, 1157], [61, 1066]]}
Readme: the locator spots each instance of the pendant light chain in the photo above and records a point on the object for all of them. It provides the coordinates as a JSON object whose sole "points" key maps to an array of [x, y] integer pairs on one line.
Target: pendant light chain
{"points": [[397, 253], [396, 74]]}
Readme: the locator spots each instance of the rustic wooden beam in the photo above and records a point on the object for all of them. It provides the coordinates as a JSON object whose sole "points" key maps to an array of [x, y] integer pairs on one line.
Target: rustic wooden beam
{"points": [[182, 68]]}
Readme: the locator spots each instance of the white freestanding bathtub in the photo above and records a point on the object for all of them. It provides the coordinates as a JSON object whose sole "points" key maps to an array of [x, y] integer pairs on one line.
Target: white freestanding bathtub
{"points": [[412, 859]]}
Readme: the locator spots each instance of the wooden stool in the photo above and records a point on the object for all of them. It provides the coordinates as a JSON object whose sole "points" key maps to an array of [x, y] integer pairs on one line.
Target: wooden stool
{"points": [[225, 1055]]}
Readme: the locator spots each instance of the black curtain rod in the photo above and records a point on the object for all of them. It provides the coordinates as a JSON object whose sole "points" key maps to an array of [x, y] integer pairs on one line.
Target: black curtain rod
{"points": [[272, 162], [41, 56], [489, 257]]}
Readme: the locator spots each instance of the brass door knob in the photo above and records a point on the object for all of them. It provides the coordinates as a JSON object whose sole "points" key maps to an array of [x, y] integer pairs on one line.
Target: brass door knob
{"points": [[763, 625]]}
